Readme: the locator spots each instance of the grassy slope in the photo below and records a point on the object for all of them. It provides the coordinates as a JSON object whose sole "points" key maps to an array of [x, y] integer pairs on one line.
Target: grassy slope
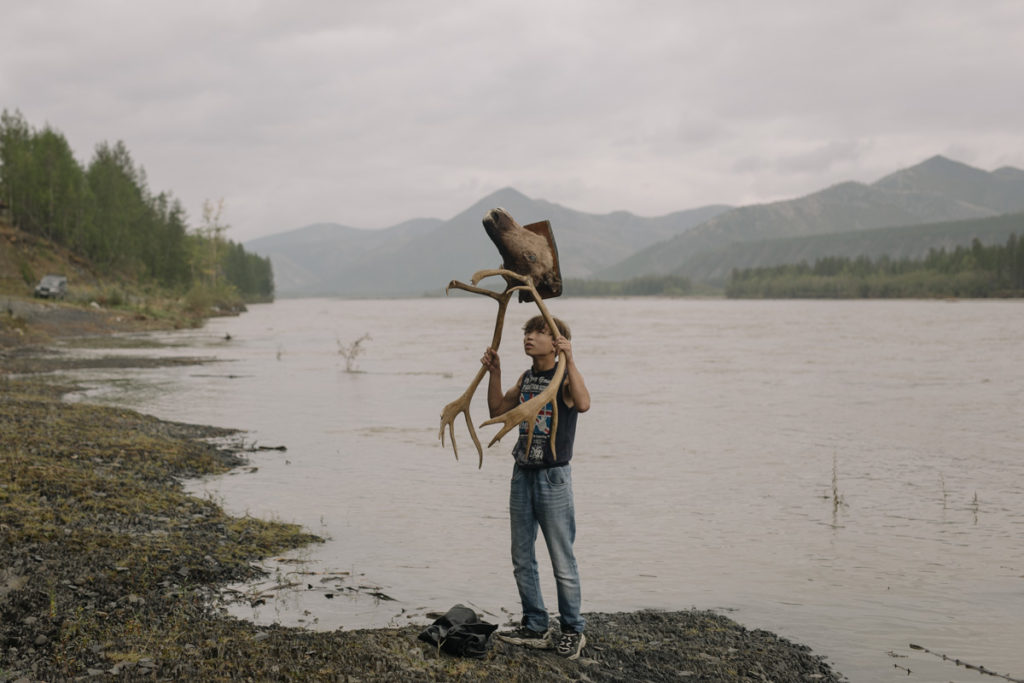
{"points": [[95, 303]]}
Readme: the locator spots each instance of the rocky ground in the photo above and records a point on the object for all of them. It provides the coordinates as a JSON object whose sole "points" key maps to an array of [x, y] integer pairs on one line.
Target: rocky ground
{"points": [[109, 571], [27, 322]]}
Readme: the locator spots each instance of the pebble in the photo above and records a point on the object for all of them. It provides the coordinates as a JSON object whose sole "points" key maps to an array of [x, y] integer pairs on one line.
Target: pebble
{"points": [[120, 666]]}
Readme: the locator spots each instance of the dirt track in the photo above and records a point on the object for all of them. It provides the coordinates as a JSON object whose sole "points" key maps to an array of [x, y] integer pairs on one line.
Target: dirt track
{"points": [[31, 321]]}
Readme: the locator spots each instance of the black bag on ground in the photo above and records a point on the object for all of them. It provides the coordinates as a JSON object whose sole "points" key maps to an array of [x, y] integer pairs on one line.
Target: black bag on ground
{"points": [[459, 632]]}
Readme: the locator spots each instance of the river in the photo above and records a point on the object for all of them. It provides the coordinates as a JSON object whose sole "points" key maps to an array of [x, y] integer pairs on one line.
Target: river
{"points": [[847, 474]]}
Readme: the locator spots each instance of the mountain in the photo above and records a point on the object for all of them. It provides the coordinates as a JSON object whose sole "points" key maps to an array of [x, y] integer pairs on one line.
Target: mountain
{"points": [[938, 189], [304, 257], [704, 244], [909, 241], [998, 191], [424, 255]]}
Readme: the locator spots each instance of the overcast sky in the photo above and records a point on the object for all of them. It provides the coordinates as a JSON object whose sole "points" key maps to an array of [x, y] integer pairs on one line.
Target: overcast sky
{"points": [[371, 113]]}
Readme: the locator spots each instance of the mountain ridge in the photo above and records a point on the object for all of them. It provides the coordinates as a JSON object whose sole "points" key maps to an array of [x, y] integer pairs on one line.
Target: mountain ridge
{"points": [[377, 263], [935, 190], [421, 255], [900, 242]]}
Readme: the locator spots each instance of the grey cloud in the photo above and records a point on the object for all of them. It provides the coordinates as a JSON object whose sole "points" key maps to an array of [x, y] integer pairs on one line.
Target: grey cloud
{"points": [[371, 113], [823, 158]]}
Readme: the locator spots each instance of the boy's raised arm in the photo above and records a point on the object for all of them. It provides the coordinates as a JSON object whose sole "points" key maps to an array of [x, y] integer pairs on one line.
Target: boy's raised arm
{"points": [[575, 388], [497, 402]]}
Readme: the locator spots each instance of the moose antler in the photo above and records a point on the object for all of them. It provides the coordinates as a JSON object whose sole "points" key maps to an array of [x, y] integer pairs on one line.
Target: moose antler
{"points": [[461, 404], [524, 412]]}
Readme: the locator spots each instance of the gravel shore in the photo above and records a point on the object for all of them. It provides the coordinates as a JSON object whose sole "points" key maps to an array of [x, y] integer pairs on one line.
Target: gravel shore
{"points": [[109, 571]]}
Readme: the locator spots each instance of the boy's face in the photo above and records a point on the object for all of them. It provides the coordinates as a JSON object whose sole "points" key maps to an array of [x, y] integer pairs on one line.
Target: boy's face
{"points": [[538, 343]]}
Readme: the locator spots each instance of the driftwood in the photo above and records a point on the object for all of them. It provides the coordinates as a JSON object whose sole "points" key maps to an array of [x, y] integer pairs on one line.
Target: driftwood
{"points": [[960, 662]]}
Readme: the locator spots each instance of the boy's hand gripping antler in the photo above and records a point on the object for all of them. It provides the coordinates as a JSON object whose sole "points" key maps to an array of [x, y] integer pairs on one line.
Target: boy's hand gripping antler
{"points": [[524, 412]]}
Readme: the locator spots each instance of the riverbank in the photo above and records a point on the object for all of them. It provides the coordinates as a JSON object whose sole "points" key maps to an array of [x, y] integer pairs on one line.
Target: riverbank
{"points": [[33, 322], [108, 568]]}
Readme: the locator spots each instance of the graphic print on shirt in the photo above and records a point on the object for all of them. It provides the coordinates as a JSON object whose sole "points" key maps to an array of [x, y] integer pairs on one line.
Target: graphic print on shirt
{"points": [[532, 386], [542, 427]]}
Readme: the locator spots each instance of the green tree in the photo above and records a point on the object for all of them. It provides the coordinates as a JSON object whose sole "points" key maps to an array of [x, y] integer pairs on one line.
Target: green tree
{"points": [[208, 244], [122, 208], [15, 159], [167, 257], [250, 274], [977, 271], [41, 181], [106, 213]]}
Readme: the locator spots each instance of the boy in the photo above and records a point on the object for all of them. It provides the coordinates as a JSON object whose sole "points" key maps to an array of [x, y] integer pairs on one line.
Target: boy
{"points": [[541, 489]]}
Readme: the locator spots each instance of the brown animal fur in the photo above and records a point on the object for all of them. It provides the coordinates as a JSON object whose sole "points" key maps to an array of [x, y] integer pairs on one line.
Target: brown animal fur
{"points": [[528, 250]]}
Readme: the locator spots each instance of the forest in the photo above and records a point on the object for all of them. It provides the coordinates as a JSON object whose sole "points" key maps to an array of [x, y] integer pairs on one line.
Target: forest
{"points": [[650, 285], [105, 212], [978, 271]]}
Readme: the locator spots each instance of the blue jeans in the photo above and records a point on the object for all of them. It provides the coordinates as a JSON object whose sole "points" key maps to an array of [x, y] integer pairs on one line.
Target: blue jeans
{"points": [[543, 498]]}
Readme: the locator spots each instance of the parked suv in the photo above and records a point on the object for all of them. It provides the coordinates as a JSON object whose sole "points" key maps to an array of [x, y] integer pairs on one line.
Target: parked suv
{"points": [[52, 287]]}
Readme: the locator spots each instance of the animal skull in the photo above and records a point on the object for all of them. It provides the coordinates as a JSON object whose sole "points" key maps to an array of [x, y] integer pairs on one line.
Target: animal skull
{"points": [[526, 250]]}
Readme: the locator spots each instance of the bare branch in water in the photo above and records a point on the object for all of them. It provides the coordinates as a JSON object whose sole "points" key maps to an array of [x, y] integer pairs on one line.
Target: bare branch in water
{"points": [[352, 351]]}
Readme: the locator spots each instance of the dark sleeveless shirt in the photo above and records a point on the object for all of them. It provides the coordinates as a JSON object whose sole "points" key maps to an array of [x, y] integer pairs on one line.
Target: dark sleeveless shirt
{"points": [[540, 454]]}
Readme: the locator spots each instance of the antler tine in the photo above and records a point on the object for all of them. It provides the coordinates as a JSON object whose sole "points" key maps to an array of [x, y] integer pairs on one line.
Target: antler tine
{"points": [[527, 412], [527, 285], [489, 272], [461, 404], [455, 284]]}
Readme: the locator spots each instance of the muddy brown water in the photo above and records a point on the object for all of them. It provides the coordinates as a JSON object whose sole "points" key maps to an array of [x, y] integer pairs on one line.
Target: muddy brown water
{"points": [[846, 474]]}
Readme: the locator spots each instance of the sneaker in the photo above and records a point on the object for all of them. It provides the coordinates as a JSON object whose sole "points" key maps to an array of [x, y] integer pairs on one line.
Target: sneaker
{"points": [[571, 644], [527, 637]]}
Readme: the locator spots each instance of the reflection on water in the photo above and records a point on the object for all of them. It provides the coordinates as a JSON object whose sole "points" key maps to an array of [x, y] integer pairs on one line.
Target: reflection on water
{"points": [[846, 474]]}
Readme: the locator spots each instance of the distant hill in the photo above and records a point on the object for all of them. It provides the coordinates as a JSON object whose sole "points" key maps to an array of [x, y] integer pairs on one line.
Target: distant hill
{"points": [[306, 259], [942, 197], [935, 190], [999, 191], [423, 255], [911, 242]]}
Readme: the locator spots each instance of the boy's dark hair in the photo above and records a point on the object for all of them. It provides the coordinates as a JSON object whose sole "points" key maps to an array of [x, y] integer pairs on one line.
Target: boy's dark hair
{"points": [[537, 324]]}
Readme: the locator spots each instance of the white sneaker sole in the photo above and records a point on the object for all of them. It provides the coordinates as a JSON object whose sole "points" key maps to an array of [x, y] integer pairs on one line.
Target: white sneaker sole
{"points": [[579, 650]]}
